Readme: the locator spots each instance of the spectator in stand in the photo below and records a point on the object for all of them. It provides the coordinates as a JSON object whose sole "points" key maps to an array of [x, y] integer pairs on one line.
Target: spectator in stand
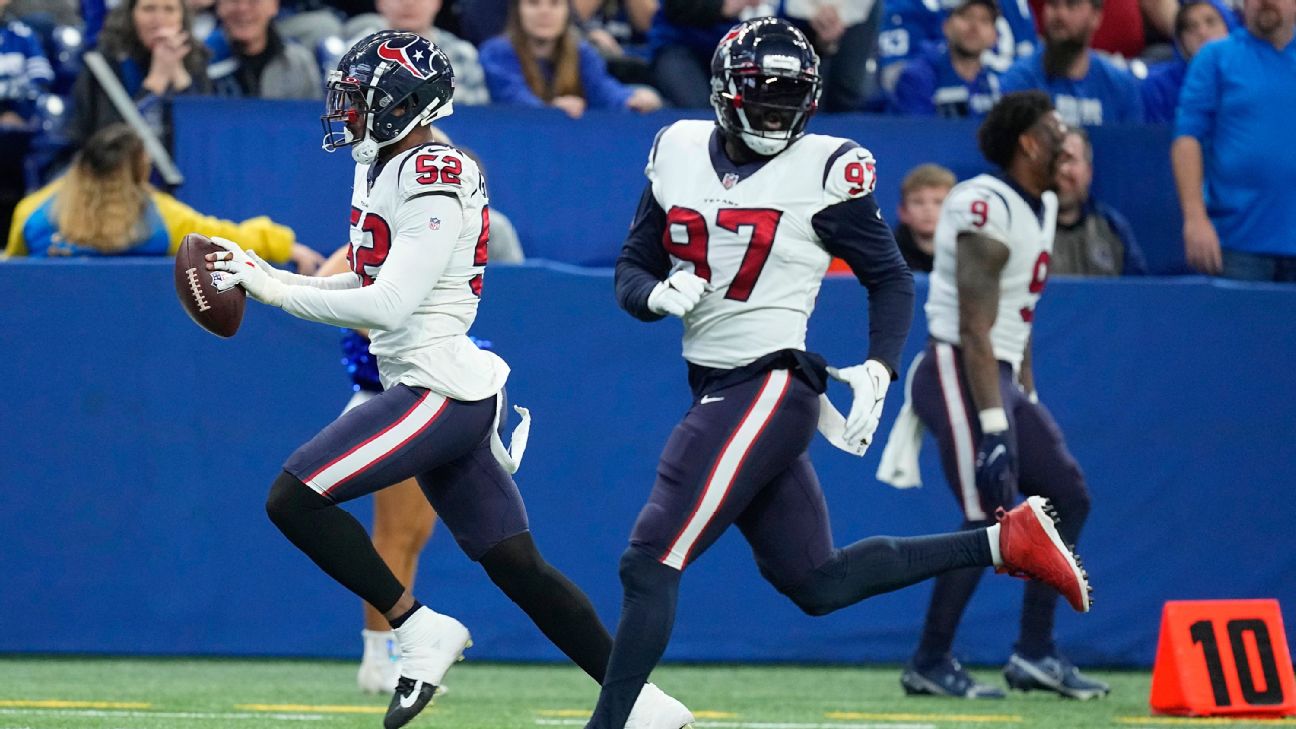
{"points": [[25, 72], [1128, 25], [309, 21], [47, 13], [1087, 89], [104, 206], [683, 38], [418, 16], [1199, 22], [844, 32], [1232, 163], [542, 61], [921, 194], [150, 46], [909, 26], [950, 80], [619, 30], [1093, 239], [250, 58]]}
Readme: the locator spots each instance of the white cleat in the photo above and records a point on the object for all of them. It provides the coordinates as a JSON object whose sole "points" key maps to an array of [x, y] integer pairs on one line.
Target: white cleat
{"points": [[656, 709], [430, 643]]}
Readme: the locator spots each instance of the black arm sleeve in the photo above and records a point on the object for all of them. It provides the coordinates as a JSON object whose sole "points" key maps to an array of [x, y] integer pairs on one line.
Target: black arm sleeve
{"points": [[696, 13], [643, 262], [855, 232]]}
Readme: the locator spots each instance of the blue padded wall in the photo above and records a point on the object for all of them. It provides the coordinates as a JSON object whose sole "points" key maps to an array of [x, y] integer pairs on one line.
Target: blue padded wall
{"points": [[138, 450], [571, 186]]}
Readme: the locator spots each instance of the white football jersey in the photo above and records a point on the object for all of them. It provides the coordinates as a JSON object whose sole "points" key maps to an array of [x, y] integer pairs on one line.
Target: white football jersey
{"points": [[752, 239], [988, 206], [430, 348]]}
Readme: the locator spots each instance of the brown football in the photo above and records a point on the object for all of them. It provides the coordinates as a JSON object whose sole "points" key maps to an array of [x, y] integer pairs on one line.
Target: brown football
{"points": [[218, 312]]}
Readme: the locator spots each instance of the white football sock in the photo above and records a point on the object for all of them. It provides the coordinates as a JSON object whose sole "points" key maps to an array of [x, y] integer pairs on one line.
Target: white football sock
{"points": [[379, 646], [992, 532]]}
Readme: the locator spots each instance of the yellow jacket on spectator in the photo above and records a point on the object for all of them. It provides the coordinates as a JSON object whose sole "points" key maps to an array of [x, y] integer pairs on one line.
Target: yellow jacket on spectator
{"points": [[168, 221]]}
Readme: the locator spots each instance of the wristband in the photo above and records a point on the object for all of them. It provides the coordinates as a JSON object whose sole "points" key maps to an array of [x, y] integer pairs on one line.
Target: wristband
{"points": [[993, 420]]}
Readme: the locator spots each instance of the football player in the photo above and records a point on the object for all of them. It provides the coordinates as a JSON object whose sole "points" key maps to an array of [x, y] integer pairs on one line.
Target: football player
{"points": [[402, 518], [734, 231], [419, 231], [974, 388]]}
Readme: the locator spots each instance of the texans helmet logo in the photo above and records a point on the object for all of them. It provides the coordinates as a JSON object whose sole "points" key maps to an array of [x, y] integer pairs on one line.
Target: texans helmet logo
{"points": [[388, 52]]}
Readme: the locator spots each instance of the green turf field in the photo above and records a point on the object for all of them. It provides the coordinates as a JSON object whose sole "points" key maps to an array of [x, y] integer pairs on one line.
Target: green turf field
{"points": [[45, 693]]}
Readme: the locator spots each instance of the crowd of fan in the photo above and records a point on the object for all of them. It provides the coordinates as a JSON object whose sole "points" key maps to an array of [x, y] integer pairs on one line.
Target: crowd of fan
{"points": [[1103, 61]]}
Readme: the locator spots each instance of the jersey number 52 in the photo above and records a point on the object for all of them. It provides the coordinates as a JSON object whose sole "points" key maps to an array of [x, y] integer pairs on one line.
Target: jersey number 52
{"points": [[430, 172], [763, 224], [363, 257]]}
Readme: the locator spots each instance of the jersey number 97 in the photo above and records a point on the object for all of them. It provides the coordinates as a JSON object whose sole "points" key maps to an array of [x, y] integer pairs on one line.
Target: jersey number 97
{"points": [[763, 223]]}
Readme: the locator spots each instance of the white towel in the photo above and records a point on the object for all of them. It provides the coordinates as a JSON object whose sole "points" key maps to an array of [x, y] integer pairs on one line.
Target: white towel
{"points": [[899, 464], [831, 425], [510, 458]]}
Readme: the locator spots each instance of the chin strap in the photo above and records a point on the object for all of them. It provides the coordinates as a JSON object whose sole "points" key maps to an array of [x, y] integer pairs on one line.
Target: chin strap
{"points": [[765, 146], [365, 151]]}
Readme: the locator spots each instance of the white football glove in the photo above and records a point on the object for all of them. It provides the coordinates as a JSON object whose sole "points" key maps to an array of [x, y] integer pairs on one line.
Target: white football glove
{"points": [[677, 295], [869, 382], [277, 274], [246, 269]]}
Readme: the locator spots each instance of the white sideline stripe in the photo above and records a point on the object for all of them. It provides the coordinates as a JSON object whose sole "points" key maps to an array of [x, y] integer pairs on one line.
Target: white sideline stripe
{"points": [[215, 716], [423, 413], [961, 427], [726, 468], [765, 724]]}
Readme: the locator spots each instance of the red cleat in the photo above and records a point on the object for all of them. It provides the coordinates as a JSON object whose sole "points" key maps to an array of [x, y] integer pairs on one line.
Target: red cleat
{"points": [[1031, 548]]}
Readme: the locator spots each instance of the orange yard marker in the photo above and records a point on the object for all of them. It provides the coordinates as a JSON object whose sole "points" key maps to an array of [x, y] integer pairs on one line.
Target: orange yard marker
{"points": [[1223, 658]]}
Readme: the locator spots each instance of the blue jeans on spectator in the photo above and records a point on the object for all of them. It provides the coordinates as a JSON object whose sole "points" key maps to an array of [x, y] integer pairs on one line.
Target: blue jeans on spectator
{"points": [[1258, 266], [683, 77]]}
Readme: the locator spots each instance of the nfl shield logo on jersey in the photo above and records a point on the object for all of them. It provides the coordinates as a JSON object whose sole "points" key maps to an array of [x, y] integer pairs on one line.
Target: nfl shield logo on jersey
{"points": [[434, 224], [730, 179]]}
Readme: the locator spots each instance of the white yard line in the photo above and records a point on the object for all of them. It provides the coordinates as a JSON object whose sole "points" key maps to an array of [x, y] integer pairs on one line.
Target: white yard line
{"points": [[765, 724], [202, 715]]}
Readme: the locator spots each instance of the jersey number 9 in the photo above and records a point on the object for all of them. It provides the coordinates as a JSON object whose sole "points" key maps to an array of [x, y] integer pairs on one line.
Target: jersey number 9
{"points": [[1039, 277], [860, 179]]}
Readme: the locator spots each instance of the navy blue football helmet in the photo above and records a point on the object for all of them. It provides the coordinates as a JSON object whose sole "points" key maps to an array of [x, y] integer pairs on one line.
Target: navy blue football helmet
{"points": [[765, 84], [387, 84]]}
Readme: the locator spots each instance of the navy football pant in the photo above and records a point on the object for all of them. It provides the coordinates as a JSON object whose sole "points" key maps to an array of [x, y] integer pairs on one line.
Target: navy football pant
{"points": [[943, 401], [738, 457], [408, 432], [445, 443]]}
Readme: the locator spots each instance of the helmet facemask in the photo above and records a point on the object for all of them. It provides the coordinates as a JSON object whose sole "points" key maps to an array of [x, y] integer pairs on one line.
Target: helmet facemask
{"points": [[346, 112], [766, 111], [765, 84]]}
